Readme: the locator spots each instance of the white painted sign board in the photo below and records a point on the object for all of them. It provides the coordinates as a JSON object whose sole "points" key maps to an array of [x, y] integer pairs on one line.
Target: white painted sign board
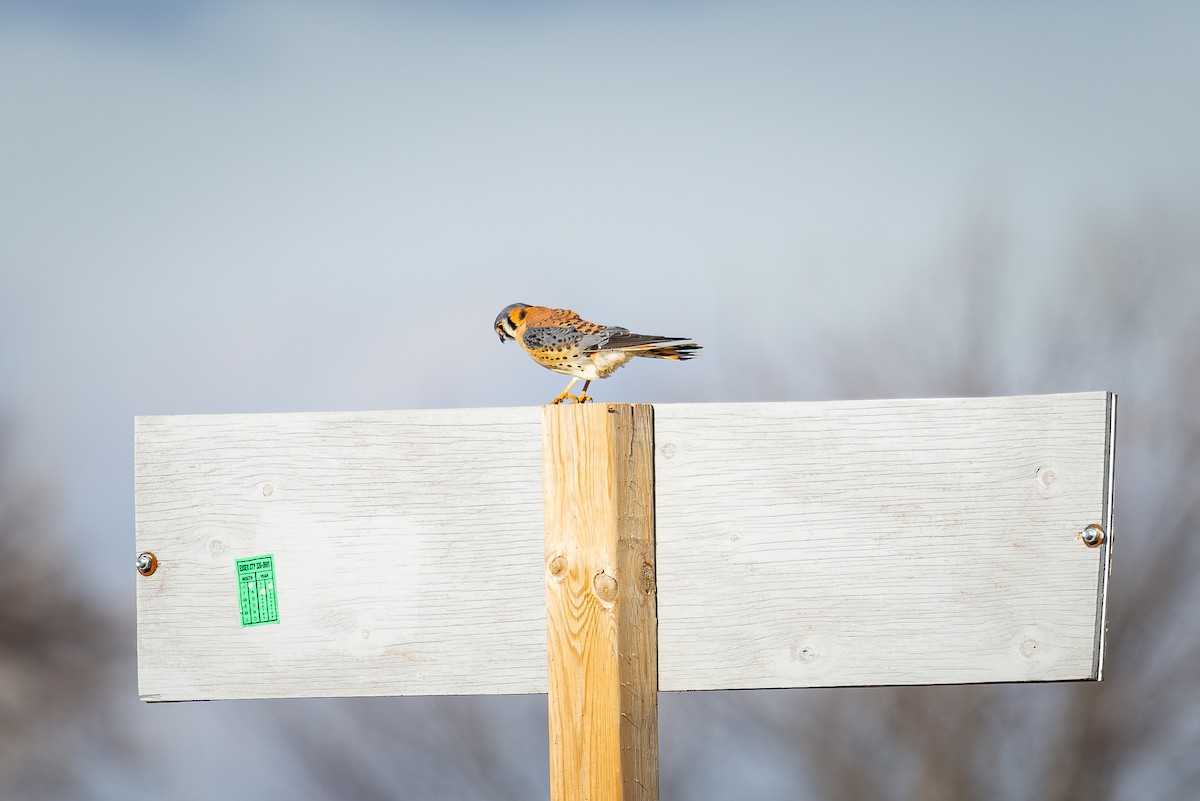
{"points": [[798, 545]]}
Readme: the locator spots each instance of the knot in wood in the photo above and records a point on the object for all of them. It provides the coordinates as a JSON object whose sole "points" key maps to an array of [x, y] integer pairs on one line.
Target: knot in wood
{"points": [[558, 566], [605, 587], [647, 576], [1047, 483]]}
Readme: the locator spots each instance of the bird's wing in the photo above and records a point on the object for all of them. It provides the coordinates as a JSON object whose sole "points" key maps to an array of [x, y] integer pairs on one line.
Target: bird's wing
{"points": [[549, 336], [548, 328], [614, 338]]}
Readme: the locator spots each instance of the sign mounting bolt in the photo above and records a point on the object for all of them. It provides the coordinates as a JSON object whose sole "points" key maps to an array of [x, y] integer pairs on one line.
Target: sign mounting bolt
{"points": [[1093, 535], [146, 563]]}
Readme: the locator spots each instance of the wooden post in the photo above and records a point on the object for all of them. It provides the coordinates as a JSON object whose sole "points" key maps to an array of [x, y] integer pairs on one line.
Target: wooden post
{"points": [[601, 619]]}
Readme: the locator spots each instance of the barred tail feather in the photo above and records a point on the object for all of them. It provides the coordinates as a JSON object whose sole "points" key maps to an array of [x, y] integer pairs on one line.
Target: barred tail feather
{"points": [[677, 352]]}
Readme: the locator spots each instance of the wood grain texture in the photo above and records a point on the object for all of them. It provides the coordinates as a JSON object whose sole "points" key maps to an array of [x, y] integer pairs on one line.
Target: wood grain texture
{"points": [[408, 553], [879, 542], [598, 463], [798, 544]]}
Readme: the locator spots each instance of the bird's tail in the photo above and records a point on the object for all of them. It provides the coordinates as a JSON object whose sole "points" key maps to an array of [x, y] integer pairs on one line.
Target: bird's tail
{"points": [[680, 353]]}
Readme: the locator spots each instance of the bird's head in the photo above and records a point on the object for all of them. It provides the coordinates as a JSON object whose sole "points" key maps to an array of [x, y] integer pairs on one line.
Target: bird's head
{"points": [[510, 319]]}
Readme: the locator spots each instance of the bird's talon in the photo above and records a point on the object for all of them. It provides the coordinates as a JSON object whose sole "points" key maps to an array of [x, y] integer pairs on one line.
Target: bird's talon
{"points": [[563, 397], [583, 398]]}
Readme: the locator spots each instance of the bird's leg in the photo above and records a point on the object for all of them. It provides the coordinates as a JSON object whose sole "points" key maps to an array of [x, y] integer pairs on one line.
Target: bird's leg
{"points": [[566, 393], [583, 396]]}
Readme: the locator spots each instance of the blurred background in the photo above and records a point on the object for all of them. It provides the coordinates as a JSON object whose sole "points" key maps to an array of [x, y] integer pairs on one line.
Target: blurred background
{"points": [[239, 207]]}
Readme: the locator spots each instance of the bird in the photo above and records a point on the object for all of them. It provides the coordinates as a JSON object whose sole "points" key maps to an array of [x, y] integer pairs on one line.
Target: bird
{"points": [[562, 341]]}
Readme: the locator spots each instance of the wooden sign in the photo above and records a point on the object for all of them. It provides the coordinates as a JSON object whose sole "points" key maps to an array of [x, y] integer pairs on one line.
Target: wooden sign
{"points": [[796, 545]]}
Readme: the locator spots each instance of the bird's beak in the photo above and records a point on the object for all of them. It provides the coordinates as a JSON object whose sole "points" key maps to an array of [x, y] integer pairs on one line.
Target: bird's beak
{"points": [[502, 337]]}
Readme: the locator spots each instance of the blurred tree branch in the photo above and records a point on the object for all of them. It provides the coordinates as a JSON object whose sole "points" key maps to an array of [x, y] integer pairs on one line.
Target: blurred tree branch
{"points": [[57, 649]]}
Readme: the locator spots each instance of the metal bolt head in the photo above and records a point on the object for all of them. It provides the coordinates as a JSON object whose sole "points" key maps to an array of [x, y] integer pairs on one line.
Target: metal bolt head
{"points": [[146, 563], [1093, 535]]}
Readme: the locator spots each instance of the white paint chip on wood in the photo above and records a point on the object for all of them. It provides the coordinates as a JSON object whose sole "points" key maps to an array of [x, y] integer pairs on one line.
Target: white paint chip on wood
{"points": [[799, 544]]}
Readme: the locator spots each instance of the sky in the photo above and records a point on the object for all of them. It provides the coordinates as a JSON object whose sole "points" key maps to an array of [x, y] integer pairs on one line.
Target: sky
{"points": [[230, 207]]}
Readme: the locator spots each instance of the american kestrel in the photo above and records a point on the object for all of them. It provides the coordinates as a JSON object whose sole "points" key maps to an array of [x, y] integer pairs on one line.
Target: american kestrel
{"points": [[560, 340]]}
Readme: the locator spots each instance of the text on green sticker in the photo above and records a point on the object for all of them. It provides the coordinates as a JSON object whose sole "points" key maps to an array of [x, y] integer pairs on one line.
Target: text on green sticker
{"points": [[256, 590]]}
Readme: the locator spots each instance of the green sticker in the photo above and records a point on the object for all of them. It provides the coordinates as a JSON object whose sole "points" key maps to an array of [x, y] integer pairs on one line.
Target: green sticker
{"points": [[256, 590]]}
